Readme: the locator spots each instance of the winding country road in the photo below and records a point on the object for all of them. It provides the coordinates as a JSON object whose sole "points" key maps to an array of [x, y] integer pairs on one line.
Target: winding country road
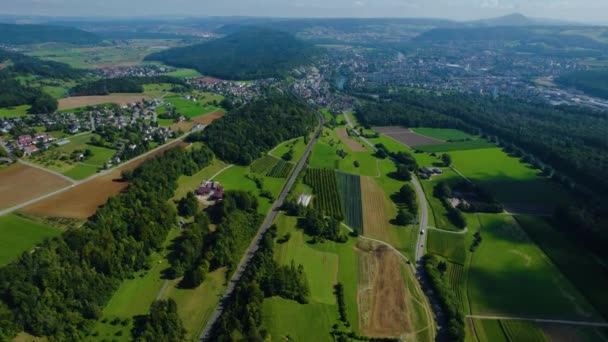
{"points": [[253, 247]]}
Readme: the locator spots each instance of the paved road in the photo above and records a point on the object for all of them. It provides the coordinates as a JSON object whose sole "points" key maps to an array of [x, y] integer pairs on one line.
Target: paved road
{"points": [[253, 247], [364, 139], [424, 219], [541, 320]]}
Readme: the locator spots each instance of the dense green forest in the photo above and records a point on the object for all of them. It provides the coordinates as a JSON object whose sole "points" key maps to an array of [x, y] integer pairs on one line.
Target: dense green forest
{"points": [[251, 53], [12, 34], [161, 324], [241, 136], [592, 82], [120, 85], [60, 289], [262, 278]]}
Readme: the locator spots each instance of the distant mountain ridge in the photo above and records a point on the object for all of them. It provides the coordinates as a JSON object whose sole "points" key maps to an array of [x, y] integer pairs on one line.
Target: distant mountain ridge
{"points": [[14, 34], [518, 19]]}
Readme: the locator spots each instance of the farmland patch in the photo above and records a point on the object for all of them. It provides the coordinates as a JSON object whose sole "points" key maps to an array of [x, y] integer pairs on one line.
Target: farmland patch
{"points": [[349, 187], [448, 245], [407, 136], [325, 187], [375, 217], [353, 144], [20, 183], [382, 295], [18, 235], [84, 101]]}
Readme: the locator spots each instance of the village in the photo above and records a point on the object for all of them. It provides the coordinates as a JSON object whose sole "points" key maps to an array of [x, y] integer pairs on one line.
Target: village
{"points": [[125, 128]]}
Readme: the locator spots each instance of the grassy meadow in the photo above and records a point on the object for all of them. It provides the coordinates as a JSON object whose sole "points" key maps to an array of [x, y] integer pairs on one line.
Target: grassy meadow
{"points": [[18, 235], [10, 112]]}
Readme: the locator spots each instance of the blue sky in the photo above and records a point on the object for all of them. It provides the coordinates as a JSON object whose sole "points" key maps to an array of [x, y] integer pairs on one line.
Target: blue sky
{"points": [[577, 10]]}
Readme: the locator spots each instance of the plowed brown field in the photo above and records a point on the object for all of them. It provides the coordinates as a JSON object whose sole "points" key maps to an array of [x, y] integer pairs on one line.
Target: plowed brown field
{"points": [[83, 101], [83, 200], [382, 294], [20, 183], [352, 144], [375, 217]]}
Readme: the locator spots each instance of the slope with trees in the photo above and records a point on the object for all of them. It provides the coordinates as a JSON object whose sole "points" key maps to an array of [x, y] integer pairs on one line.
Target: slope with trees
{"points": [[246, 132], [34, 34], [250, 53]]}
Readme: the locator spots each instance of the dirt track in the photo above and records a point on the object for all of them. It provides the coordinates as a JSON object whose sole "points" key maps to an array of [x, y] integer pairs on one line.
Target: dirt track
{"points": [[382, 294], [19, 183], [82, 101], [352, 144]]}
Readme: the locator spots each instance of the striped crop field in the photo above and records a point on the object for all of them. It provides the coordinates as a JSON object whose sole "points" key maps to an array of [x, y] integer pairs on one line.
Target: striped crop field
{"points": [[282, 169], [349, 187], [325, 188], [264, 164]]}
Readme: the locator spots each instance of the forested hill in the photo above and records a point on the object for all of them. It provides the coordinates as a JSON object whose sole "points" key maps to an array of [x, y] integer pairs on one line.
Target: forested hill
{"points": [[251, 53], [246, 132], [12, 34], [592, 82], [14, 93]]}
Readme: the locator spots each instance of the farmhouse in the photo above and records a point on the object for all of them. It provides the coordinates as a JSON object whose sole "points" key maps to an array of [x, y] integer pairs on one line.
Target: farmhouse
{"points": [[213, 190], [29, 150]]}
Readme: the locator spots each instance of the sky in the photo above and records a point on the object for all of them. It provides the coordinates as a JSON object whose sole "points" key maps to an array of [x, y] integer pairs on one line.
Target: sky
{"points": [[586, 11]]}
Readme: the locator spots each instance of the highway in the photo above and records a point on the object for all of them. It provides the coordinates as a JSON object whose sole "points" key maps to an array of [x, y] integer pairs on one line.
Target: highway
{"points": [[253, 247]]}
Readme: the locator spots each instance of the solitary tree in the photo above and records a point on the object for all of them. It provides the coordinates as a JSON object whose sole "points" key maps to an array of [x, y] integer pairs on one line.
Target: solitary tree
{"points": [[446, 159]]}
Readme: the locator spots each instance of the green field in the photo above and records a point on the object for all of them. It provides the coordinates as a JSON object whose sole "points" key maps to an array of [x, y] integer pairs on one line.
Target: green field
{"points": [[18, 235], [442, 133], [522, 331], [195, 306], [189, 108], [297, 145], [585, 270], [14, 111], [52, 159], [449, 245], [81, 171], [325, 264], [184, 73], [235, 178], [324, 155], [488, 330], [510, 180], [264, 165], [508, 272], [457, 146]]}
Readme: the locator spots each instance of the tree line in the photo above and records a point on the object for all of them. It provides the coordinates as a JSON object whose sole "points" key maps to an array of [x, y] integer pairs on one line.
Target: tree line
{"points": [[263, 278], [128, 84], [59, 290], [244, 133]]}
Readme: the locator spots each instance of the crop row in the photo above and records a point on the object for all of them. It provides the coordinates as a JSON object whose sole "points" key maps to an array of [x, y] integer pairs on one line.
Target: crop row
{"points": [[522, 331], [349, 187], [456, 280], [325, 187], [281, 169], [264, 164]]}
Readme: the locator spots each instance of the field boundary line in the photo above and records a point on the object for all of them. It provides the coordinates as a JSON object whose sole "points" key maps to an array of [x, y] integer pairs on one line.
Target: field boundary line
{"points": [[41, 168], [220, 171], [460, 174], [464, 231], [541, 320]]}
